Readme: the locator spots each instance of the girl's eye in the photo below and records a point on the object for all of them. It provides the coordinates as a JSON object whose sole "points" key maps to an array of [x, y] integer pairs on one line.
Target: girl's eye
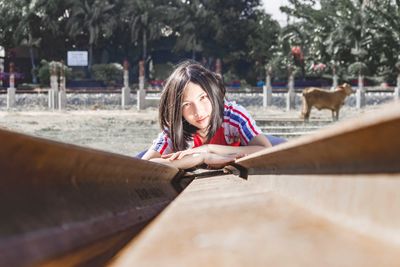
{"points": [[185, 105], [203, 97]]}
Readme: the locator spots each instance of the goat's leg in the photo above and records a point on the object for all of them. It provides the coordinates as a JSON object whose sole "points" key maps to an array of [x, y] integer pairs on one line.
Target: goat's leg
{"points": [[305, 113], [337, 114]]}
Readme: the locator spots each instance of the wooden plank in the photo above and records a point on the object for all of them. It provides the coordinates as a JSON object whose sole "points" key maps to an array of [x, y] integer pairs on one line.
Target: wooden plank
{"points": [[55, 197], [367, 144], [227, 221]]}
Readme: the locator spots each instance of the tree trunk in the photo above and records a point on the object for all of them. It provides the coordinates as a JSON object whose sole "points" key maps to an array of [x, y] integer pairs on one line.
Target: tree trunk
{"points": [[90, 60], [145, 52], [34, 78]]}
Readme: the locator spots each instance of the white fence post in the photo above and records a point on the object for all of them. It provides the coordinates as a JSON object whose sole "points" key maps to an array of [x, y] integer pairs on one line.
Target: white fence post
{"points": [[53, 92], [125, 91], [11, 88], [360, 94], [291, 94], [62, 94], [141, 93], [267, 88], [397, 89]]}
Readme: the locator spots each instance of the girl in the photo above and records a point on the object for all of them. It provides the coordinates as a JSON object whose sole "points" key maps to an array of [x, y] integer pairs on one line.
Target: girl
{"points": [[199, 125]]}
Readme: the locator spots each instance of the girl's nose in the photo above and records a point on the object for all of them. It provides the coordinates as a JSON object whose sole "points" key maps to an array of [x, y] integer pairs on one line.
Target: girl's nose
{"points": [[197, 111]]}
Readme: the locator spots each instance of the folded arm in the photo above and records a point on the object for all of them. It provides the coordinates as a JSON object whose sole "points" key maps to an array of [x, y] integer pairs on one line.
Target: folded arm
{"points": [[215, 156], [256, 144], [194, 159]]}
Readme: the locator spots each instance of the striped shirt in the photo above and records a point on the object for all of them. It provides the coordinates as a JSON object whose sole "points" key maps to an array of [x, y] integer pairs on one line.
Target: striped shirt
{"points": [[238, 129]]}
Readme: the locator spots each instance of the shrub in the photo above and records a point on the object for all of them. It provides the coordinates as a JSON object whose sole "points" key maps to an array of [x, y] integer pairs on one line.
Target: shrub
{"points": [[161, 71], [44, 72], [78, 74], [111, 74], [357, 68]]}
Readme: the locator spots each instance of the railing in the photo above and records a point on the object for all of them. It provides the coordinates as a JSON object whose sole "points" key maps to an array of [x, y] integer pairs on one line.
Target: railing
{"points": [[115, 90], [57, 197]]}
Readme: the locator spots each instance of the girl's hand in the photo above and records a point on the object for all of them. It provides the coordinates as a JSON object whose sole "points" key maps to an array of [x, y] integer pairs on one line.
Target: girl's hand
{"points": [[183, 153], [216, 161]]}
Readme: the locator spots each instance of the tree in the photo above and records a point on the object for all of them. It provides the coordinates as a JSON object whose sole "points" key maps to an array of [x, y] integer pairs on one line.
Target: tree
{"points": [[342, 29], [190, 19], [145, 21], [24, 23], [263, 43], [91, 20], [238, 32], [387, 31]]}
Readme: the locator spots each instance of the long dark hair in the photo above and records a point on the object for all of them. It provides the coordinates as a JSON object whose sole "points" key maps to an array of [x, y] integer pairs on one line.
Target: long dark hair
{"points": [[170, 111]]}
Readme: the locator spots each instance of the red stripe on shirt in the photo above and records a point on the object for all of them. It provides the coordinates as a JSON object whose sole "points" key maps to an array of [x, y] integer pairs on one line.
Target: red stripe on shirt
{"points": [[164, 146], [245, 117]]}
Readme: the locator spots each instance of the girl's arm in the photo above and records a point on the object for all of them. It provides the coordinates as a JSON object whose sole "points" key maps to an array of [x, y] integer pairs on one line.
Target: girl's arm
{"points": [[193, 159], [184, 163], [256, 144]]}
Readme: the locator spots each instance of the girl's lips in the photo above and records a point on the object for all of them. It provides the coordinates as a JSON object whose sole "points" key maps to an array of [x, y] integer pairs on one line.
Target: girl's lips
{"points": [[202, 119]]}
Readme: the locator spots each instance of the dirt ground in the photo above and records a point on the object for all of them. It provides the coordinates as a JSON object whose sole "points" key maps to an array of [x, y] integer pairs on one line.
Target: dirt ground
{"points": [[107, 127]]}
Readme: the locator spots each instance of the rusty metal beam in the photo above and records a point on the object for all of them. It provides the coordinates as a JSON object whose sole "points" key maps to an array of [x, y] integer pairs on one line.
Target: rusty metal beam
{"points": [[228, 221], [329, 199], [370, 144], [55, 197]]}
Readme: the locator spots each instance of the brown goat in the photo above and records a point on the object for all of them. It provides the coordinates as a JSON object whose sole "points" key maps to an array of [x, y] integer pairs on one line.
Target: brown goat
{"points": [[323, 99]]}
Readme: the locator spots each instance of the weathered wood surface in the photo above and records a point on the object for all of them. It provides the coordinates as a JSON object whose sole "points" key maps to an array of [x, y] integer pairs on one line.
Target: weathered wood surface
{"points": [[228, 221], [370, 144], [55, 197]]}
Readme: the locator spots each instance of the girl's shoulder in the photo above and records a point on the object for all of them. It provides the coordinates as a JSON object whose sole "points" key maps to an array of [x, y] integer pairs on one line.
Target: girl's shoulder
{"points": [[231, 108]]}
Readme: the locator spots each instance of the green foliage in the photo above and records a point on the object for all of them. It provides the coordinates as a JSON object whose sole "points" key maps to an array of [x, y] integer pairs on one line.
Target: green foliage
{"points": [[78, 74], [397, 65], [348, 31], [238, 32], [230, 77], [162, 71], [44, 72], [111, 74], [358, 68]]}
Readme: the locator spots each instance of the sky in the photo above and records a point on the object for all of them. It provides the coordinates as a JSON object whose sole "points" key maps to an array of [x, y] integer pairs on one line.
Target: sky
{"points": [[272, 7]]}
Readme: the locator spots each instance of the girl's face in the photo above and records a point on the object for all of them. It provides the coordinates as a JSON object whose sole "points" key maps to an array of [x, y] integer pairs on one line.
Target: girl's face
{"points": [[196, 107]]}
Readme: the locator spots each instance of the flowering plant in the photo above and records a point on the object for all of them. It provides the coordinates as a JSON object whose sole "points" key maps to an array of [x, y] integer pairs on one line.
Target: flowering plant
{"points": [[318, 68]]}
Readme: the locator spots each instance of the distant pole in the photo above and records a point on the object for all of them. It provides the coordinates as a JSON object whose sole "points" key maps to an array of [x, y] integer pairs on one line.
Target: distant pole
{"points": [[1, 71], [62, 94], [267, 88], [11, 88], [291, 95], [141, 93], [334, 77], [360, 94], [125, 91], [397, 89], [53, 92]]}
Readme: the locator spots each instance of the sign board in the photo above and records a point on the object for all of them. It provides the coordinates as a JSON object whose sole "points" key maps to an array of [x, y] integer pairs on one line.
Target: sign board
{"points": [[77, 58]]}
